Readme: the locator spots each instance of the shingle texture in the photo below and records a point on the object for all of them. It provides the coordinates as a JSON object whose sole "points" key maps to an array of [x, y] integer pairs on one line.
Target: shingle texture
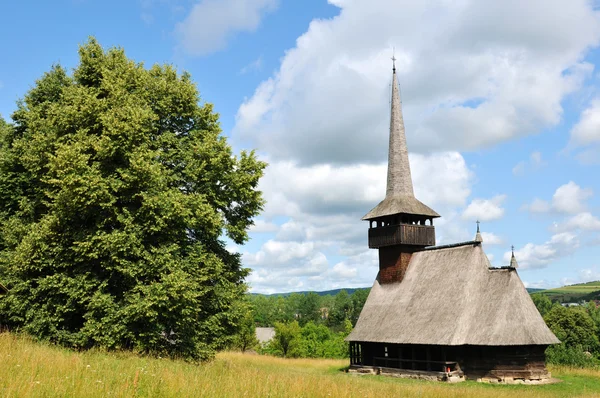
{"points": [[399, 196], [450, 296]]}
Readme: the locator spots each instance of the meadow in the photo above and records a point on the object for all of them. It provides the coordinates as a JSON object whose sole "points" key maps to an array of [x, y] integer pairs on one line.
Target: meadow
{"points": [[582, 291], [31, 369]]}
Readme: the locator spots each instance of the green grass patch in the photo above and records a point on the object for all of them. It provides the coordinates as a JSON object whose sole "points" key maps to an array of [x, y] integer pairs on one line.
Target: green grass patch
{"points": [[583, 291], [39, 370]]}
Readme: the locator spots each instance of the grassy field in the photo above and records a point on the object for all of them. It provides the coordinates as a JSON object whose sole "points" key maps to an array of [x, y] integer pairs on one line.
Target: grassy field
{"points": [[36, 370], [582, 291]]}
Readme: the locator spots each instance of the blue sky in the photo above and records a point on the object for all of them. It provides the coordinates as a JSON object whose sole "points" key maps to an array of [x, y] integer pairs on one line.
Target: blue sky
{"points": [[502, 111]]}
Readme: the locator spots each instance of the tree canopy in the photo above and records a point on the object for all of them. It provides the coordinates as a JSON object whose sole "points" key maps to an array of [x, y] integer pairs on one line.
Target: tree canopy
{"points": [[116, 189]]}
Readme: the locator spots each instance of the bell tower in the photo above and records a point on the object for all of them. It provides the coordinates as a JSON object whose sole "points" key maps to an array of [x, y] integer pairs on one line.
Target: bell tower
{"points": [[400, 224]]}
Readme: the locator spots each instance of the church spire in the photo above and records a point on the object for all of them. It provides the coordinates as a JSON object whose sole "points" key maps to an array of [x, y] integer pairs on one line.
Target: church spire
{"points": [[478, 237], [399, 181], [513, 260], [399, 196]]}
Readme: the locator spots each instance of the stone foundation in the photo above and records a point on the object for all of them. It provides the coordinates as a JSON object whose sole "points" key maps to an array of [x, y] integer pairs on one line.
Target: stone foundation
{"points": [[454, 377], [451, 377]]}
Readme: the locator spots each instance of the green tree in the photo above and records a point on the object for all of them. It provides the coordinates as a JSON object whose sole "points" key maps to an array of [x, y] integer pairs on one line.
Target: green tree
{"points": [[359, 297], [341, 309], [246, 337], [309, 308], [286, 337], [261, 309], [312, 339], [542, 303], [116, 188], [573, 327]]}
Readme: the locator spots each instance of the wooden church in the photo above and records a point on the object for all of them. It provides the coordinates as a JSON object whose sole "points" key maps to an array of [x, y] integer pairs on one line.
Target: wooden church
{"points": [[440, 312]]}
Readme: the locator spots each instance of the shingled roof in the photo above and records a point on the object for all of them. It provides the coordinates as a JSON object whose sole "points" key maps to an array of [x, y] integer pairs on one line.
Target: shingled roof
{"points": [[451, 296], [399, 197]]}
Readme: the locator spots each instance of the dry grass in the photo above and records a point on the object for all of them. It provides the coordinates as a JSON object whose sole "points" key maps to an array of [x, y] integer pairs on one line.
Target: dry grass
{"points": [[37, 370]]}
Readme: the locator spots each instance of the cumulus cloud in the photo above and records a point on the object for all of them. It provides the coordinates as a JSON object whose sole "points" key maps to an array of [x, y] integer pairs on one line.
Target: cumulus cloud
{"points": [[490, 239], [589, 274], [262, 226], [472, 73], [587, 130], [569, 198], [485, 209], [211, 23], [533, 255], [322, 205], [281, 254], [538, 206], [582, 221], [585, 135], [440, 179]]}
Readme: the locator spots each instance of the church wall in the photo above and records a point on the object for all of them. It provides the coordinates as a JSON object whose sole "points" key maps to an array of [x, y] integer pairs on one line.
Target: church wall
{"points": [[484, 363], [498, 362]]}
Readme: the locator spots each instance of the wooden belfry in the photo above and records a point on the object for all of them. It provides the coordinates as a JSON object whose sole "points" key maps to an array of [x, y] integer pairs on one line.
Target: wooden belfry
{"points": [[440, 312], [400, 224]]}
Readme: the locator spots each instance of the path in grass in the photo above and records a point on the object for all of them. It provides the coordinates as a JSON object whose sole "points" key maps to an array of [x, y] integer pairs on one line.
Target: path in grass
{"points": [[36, 370]]}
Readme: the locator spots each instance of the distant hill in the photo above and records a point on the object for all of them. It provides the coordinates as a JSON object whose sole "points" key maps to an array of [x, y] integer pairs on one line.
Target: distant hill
{"points": [[573, 293], [333, 292], [533, 290]]}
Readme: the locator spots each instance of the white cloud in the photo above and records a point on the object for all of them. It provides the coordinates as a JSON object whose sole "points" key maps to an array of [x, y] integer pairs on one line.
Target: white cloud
{"points": [[262, 226], [540, 284], [281, 254], [485, 209], [540, 256], [341, 271], [586, 133], [441, 179], [582, 221], [569, 198], [322, 206], [490, 239], [473, 74], [266, 281], [589, 274], [538, 206], [587, 130], [211, 23]]}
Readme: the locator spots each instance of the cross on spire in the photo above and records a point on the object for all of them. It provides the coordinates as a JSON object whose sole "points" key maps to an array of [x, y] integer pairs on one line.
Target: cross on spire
{"points": [[394, 59], [478, 237], [513, 260]]}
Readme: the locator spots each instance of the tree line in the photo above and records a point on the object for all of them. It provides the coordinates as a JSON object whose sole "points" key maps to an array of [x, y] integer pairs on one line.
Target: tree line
{"points": [[578, 329], [306, 325], [329, 310]]}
